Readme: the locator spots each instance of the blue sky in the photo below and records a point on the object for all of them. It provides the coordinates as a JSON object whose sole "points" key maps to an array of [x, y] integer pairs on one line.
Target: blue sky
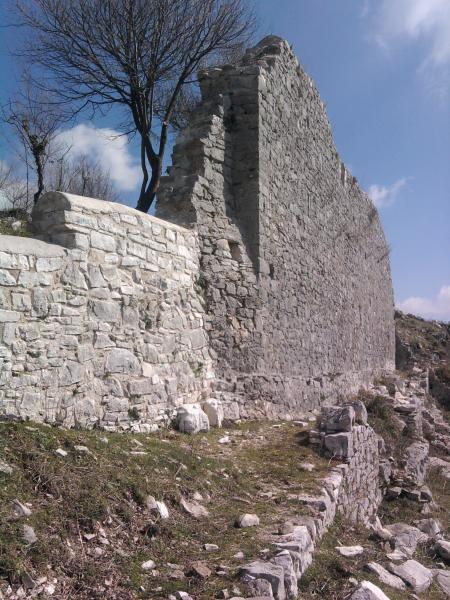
{"points": [[383, 71]]}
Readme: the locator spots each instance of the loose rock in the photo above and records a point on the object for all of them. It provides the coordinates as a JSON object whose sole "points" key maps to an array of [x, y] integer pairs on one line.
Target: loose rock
{"points": [[247, 520]]}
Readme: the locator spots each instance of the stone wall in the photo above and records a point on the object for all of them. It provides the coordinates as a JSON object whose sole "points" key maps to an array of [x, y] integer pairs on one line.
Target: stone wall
{"points": [[294, 261], [104, 325], [270, 266]]}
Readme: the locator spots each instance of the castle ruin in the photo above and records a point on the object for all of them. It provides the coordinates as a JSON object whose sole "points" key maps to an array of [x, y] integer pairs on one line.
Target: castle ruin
{"points": [[263, 281]]}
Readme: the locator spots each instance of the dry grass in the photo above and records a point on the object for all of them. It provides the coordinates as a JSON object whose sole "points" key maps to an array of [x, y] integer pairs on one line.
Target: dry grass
{"points": [[81, 493]]}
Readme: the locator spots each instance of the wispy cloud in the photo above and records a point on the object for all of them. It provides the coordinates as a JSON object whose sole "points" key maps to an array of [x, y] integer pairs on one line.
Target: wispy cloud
{"points": [[425, 21], [106, 146], [383, 196], [429, 308]]}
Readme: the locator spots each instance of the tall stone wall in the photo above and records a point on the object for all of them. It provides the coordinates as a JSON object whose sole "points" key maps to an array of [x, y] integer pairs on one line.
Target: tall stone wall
{"points": [[294, 261], [102, 326]]}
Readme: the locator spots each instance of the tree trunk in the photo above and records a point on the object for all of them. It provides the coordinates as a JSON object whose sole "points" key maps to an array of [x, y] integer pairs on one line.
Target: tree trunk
{"points": [[40, 174], [147, 195]]}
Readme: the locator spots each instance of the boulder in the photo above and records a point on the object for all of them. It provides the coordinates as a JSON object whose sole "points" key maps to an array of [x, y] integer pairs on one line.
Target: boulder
{"points": [[192, 419], [413, 574], [214, 411]]}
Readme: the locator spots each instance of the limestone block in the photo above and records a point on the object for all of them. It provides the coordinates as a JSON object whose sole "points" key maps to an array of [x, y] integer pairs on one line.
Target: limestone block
{"points": [[71, 373], [385, 577], [284, 559], [191, 419], [368, 591], [337, 418], [413, 574], [49, 264], [214, 410], [120, 360], [103, 241], [109, 312], [339, 444], [7, 278], [360, 411], [9, 316], [274, 574]]}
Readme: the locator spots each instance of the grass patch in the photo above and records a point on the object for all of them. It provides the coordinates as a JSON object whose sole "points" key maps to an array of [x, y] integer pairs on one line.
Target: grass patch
{"points": [[103, 492]]}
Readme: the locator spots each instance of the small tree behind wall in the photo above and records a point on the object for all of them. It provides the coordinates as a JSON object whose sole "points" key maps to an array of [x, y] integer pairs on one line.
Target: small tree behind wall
{"points": [[35, 122], [138, 55]]}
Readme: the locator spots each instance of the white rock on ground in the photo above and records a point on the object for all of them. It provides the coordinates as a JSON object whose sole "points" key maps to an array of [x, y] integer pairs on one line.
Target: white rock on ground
{"points": [[443, 580], [248, 520], [157, 507], [20, 509], [385, 577], [29, 535], [192, 419], [5, 468], [194, 508], [368, 591], [350, 551], [214, 411], [413, 574], [406, 537], [431, 527], [148, 565]]}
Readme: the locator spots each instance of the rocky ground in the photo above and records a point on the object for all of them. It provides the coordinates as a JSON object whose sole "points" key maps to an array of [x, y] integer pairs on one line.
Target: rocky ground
{"points": [[223, 514]]}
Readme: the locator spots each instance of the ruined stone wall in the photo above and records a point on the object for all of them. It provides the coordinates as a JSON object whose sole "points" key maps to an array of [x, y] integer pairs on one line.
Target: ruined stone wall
{"points": [[294, 261], [103, 326]]}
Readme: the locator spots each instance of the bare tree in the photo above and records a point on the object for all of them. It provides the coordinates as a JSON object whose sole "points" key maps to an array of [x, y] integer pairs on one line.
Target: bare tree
{"points": [[14, 194], [80, 176], [140, 55], [35, 121]]}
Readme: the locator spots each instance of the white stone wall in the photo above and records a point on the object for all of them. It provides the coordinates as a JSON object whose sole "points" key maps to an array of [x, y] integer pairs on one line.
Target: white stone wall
{"points": [[104, 326], [294, 260]]}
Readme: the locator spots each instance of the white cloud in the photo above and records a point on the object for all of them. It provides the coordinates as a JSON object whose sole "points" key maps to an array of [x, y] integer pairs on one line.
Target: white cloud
{"points": [[429, 308], [425, 21], [383, 196], [109, 148]]}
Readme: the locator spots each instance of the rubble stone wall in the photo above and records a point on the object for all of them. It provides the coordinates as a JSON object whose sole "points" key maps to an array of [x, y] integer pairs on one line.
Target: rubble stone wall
{"points": [[294, 260], [103, 325]]}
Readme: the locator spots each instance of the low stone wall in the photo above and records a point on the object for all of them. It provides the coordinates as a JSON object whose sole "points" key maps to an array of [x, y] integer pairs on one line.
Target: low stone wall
{"points": [[352, 488], [104, 326]]}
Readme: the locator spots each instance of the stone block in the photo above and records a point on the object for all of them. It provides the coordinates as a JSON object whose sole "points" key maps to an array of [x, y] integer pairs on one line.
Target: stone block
{"points": [[337, 419], [102, 241], [191, 419], [214, 410], [123, 361], [339, 445]]}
